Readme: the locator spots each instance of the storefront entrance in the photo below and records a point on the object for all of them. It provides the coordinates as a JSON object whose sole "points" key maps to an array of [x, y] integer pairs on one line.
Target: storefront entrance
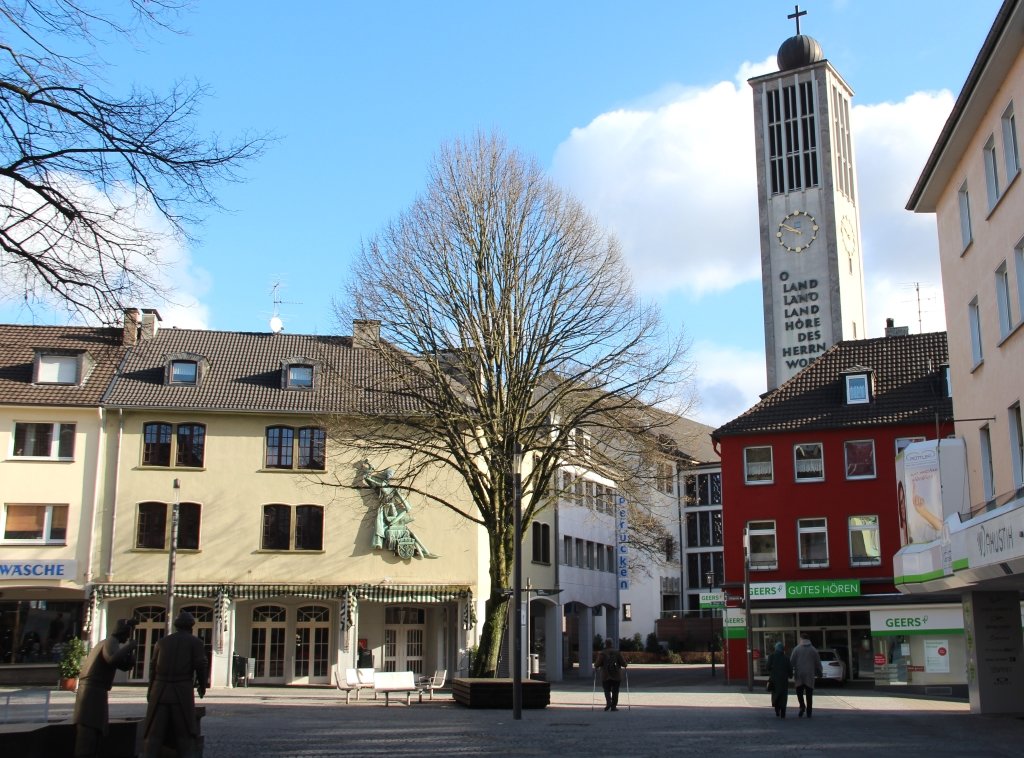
{"points": [[404, 632]]}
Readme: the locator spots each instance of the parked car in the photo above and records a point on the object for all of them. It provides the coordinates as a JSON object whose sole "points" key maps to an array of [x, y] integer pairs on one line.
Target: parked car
{"points": [[832, 666]]}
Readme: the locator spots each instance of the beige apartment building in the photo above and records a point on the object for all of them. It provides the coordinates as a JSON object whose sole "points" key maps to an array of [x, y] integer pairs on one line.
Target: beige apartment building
{"points": [[972, 183]]}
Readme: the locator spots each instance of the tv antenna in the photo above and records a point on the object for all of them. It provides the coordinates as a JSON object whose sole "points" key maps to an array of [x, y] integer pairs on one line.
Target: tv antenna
{"points": [[276, 324]]}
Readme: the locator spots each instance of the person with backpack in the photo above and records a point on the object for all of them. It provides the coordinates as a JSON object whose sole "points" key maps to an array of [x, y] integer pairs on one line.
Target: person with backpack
{"points": [[610, 663]]}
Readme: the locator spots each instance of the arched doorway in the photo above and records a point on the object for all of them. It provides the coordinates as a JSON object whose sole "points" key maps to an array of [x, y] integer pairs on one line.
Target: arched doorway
{"points": [[151, 629], [312, 641], [267, 643], [404, 632], [204, 631]]}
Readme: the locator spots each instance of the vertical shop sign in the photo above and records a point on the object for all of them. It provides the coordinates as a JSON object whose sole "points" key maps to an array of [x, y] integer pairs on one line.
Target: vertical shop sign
{"points": [[622, 540]]}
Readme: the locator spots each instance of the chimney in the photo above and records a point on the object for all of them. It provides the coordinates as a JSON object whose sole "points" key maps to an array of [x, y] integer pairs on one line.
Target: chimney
{"points": [[130, 335], [891, 330], [150, 323], [365, 333]]}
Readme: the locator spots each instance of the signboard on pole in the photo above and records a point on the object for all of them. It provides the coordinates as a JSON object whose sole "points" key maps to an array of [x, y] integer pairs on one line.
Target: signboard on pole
{"points": [[712, 599]]}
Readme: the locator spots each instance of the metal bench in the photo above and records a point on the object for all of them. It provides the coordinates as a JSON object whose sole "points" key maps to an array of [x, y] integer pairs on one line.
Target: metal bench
{"points": [[353, 681], [396, 681]]}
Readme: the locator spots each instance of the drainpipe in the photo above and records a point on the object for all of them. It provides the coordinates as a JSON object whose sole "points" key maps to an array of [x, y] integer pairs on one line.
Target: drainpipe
{"points": [[97, 473], [114, 494]]}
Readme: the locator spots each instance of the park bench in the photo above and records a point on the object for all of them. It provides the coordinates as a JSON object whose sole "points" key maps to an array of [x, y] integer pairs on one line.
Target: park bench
{"points": [[396, 681], [431, 683]]}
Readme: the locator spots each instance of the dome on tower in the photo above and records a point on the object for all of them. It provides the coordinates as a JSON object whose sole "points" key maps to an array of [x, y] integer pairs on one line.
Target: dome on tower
{"points": [[799, 51]]}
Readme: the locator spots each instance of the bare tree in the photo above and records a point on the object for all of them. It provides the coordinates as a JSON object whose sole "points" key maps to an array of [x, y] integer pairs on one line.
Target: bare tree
{"points": [[511, 319], [80, 170]]}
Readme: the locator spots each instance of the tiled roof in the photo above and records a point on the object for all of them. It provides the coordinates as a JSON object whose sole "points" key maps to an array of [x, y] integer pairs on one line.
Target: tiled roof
{"points": [[17, 353], [909, 388], [244, 369]]}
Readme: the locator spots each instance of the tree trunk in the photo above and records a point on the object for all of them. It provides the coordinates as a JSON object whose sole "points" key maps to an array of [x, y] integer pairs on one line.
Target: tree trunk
{"points": [[485, 662]]}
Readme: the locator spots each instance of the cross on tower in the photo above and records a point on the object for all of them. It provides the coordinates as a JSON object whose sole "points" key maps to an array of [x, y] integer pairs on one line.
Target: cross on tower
{"points": [[797, 13]]}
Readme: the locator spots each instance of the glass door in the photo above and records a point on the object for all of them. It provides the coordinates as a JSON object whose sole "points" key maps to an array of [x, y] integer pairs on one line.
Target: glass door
{"points": [[150, 630], [269, 624], [312, 637]]}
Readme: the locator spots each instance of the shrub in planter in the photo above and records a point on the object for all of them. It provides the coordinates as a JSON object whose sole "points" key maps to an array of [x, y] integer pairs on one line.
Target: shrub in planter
{"points": [[70, 665]]}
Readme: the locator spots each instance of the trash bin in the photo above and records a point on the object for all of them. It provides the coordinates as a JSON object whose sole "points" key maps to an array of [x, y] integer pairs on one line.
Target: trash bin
{"points": [[365, 659], [534, 663], [239, 674]]}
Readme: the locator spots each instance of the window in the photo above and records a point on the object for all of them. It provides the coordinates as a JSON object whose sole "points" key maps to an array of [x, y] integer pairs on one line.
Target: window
{"points": [[991, 173], [812, 534], [541, 543], [566, 551], [627, 611], [184, 444], [35, 524], [1003, 301], [581, 554], [902, 442], [300, 377], [792, 137], [987, 473], [1018, 270], [288, 450], [154, 518], [278, 532], [965, 216], [699, 565], [53, 368], [184, 372], [864, 546], [666, 477], [609, 558], [600, 558], [974, 319], [703, 489], [762, 545], [591, 557], [44, 440], [860, 459], [704, 529], [758, 465], [670, 549], [1011, 152], [1016, 445], [857, 389], [807, 462]]}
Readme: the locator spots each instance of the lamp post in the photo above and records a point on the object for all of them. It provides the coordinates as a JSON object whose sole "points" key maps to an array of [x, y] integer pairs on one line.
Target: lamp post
{"points": [[746, 610], [517, 587], [172, 555], [710, 579]]}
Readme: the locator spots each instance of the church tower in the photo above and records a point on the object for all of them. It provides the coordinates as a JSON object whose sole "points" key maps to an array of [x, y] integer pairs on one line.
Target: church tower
{"points": [[812, 274]]}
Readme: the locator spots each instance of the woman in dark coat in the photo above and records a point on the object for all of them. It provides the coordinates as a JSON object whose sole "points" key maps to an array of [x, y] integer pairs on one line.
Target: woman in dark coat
{"points": [[779, 671]]}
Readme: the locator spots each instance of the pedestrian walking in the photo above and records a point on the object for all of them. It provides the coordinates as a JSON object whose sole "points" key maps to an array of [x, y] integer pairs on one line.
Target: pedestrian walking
{"points": [[91, 716], [780, 669], [178, 667], [610, 663], [806, 668]]}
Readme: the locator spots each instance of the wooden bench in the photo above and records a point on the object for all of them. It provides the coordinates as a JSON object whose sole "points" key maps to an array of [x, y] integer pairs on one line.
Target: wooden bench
{"points": [[396, 681]]}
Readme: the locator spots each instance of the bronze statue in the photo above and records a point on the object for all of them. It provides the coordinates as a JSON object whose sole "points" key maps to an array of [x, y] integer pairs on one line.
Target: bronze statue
{"points": [[92, 716], [394, 515], [178, 667]]}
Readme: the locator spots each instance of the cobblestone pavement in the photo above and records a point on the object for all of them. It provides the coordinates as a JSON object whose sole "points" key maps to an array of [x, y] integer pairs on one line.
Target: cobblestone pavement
{"points": [[666, 710]]}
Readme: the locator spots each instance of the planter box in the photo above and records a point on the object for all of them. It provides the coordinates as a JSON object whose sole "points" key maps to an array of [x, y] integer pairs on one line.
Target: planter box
{"points": [[497, 693]]}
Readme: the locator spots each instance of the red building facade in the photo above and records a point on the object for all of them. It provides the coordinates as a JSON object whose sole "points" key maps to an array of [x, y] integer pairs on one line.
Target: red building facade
{"points": [[809, 484]]}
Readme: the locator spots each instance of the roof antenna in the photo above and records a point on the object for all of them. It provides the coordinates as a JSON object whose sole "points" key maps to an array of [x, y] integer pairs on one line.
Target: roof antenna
{"points": [[276, 324]]}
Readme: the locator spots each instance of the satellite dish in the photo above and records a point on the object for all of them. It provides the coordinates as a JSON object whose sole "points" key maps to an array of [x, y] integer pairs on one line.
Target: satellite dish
{"points": [[276, 324]]}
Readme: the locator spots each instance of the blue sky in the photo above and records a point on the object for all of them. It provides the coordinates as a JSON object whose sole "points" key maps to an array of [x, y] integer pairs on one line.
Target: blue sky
{"points": [[641, 109]]}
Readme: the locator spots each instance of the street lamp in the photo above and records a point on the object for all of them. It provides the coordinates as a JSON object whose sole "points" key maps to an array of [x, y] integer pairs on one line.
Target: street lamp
{"points": [[517, 587], [746, 610], [172, 555]]}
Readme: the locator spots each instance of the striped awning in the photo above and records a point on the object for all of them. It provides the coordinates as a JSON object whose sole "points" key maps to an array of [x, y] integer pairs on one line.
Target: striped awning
{"points": [[410, 593], [104, 591]]}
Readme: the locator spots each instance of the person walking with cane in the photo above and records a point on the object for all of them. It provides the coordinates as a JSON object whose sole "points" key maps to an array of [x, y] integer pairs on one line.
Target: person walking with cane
{"points": [[610, 663]]}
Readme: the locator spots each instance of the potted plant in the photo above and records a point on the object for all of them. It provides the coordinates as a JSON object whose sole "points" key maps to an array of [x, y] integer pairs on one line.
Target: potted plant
{"points": [[70, 665]]}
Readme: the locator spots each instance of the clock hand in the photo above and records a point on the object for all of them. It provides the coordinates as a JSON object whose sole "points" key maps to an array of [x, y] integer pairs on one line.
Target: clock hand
{"points": [[788, 228]]}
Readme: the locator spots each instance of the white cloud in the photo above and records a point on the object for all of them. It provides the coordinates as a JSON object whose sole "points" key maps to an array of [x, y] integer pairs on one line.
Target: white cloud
{"points": [[674, 178]]}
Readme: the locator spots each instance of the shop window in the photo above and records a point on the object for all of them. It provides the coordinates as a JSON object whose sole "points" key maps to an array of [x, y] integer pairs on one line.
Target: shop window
{"points": [[812, 536]]}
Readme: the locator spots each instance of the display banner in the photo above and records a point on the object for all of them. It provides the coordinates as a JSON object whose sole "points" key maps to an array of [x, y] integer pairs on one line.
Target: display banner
{"points": [[622, 538]]}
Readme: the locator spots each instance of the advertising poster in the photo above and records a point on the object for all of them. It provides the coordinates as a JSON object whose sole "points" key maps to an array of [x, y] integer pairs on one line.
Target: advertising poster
{"points": [[918, 493], [936, 656]]}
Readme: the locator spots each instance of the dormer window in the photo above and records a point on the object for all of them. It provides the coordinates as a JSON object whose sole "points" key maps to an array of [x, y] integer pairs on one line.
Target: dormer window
{"points": [[185, 369], [184, 372], [60, 368], [297, 373], [300, 377], [858, 386]]}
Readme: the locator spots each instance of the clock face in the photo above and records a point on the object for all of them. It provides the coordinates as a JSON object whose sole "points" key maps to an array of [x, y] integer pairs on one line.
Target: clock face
{"points": [[848, 236], [797, 231]]}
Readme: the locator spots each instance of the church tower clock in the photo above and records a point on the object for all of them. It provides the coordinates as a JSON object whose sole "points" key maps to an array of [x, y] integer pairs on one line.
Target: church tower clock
{"points": [[811, 266]]}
